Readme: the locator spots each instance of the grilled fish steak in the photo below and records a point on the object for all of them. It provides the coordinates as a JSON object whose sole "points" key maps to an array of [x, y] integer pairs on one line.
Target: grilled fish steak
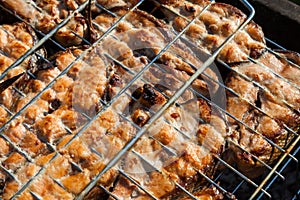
{"points": [[148, 43], [194, 152], [46, 15], [79, 91], [16, 40], [213, 26], [276, 97]]}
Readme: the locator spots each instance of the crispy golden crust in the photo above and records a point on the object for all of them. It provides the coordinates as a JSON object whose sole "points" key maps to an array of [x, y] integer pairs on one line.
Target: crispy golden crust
{"points": [[214, 26], [15, 41], [191, 157], [49, 15]]}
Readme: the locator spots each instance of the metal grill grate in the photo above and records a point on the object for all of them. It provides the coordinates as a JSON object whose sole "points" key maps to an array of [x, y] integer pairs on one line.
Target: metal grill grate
{"points": [[260, 188]]}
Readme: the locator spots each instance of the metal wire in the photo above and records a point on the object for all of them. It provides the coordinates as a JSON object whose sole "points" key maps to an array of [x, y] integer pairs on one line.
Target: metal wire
{"points": [[268, 177], [136, 183], [156, 169], [108, 192], [35, 196], [268, 186]]}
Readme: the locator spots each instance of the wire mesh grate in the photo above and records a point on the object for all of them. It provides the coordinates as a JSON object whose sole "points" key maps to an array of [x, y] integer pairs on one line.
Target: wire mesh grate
{"points": [[107, 164]]}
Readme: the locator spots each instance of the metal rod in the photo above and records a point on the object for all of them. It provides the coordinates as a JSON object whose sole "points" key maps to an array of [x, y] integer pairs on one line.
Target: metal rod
{"points": [[108, 192], [281, 170], [5, 84], [238, 186], [159, 171], [11, 175], [242, 175], [275, 44], [106, 10], [137, 184], [35, 196], [7, 110], [260, 187]]}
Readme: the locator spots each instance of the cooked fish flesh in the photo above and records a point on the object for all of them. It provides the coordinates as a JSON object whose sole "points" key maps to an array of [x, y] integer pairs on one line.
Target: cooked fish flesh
{"points": [[46, 15], [213, 26], [278, 99]]}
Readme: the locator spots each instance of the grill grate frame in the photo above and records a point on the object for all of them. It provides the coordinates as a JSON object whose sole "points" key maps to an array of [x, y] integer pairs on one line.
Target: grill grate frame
{"points": [[261, 188]]}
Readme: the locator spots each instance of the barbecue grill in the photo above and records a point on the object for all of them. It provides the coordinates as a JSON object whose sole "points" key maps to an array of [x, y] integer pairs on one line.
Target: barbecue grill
{"points": [[228, 180]]}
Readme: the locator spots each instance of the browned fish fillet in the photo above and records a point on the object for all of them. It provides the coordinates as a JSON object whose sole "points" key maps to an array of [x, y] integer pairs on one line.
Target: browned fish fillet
{"points": [[15, 41], [195, 153], [46, 15], [52, 119], [213, 26], [279, 100], [147, 36], [88, 81]]}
